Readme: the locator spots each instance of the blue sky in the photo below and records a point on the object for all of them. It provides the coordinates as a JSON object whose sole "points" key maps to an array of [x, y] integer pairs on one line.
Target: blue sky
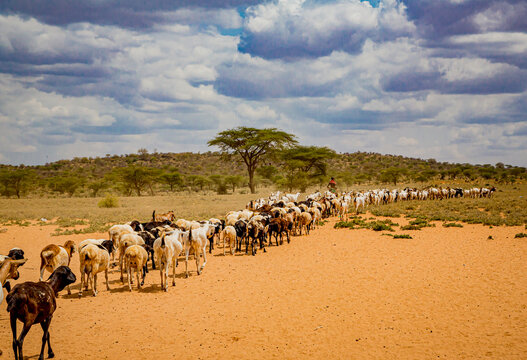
{"points": [[443, 79]]}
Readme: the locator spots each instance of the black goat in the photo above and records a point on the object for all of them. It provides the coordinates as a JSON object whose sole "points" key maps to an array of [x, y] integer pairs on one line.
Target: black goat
{"points": [[34, 303]]}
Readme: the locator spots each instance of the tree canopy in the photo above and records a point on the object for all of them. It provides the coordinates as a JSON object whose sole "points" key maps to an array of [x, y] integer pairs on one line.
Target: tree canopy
{"points": [[252, 145]]}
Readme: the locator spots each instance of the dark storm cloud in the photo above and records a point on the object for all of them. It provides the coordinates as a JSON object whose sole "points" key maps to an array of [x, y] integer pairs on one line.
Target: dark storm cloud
{"points": [[138, 14], [514, 81], [437, 19]]}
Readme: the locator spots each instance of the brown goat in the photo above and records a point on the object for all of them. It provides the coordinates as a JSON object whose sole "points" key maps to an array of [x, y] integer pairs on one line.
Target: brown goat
{"points": [[53, 256], [9, 270], [34, 303], [170, 216]]}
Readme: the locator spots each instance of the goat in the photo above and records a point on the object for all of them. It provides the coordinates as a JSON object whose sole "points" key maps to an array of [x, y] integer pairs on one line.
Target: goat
{"points": [[53, 256], [197, 241], [241, 233], [255, 234], [93, 260], [167, 249], [278, 226], [117, 231], [229, 234], [149, 238], [35, 303], [14, 254], [127, 240], [170, 216], [135, 256], [9, 270]]}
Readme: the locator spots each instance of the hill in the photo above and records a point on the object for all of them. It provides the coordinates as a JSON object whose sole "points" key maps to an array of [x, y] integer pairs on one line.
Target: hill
{"points": [[149, 173]]}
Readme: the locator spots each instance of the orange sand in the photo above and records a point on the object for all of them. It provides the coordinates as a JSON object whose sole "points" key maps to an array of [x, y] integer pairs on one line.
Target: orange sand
{"points": [[335, 294]]}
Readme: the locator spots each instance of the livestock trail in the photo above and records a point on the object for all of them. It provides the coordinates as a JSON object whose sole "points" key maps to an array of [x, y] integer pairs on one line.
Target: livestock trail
{"points": [[331, 294]]}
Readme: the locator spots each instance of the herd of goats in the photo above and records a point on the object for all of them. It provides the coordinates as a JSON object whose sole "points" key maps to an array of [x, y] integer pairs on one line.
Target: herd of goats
{"points": [[164, 239]]}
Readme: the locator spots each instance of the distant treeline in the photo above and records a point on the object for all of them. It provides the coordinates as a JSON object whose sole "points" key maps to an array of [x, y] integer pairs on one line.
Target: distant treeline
{"points": [[147, 173]]}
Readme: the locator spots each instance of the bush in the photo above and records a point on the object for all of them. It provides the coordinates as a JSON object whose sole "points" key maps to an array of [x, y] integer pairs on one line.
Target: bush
{"points": [[402, 236], [109, 201], [452, 225], [221, 189], [520, 235]]}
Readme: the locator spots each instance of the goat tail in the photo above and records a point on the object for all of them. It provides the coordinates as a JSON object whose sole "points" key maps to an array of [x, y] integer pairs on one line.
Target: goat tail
{"points": [[190, 235], [154, 216], [46, 256], [15, 300]]}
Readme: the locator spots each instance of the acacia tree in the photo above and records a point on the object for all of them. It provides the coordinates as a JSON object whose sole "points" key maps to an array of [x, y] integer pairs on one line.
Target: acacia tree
{"points": [[252, 145], [138, 177], [304, 163], [15, 181]]}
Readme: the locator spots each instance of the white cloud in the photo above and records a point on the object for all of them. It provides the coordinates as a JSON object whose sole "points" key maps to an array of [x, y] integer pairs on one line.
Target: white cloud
{"points": [[407, 141], [245, 111]]}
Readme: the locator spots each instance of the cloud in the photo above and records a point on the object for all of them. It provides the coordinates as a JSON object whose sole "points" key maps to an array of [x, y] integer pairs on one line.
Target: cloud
{"points": [[134, 14], [295, 29], [433, 79], [407, 141]]}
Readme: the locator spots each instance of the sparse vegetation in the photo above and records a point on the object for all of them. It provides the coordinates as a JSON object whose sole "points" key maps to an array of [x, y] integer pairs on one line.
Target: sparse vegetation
{"points": [[110, 201], [452, 225], [417, 224], [402, 236], [359, 223]]}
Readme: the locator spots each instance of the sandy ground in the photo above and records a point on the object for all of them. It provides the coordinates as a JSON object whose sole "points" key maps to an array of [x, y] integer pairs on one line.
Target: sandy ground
{"points": [[335, 294]]}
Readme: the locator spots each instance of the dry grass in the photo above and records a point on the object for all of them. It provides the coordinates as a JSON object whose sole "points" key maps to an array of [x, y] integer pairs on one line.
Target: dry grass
{"points": [[73, 212], [508, 206], [73, 215]]}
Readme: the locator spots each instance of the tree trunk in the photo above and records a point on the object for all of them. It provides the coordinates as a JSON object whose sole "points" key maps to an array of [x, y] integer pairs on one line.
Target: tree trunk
{"points": [[251, 179]]}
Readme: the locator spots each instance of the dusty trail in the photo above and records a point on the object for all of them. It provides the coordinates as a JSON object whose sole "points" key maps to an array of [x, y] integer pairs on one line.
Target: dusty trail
{"points": [[335, 294]]}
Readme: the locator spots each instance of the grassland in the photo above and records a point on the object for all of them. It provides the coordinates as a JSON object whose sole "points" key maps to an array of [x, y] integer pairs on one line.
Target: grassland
{"points": [[82, 215]]}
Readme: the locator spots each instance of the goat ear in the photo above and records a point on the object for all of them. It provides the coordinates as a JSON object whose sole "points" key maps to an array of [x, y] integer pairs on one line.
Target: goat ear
{"points": [[19, 262]]}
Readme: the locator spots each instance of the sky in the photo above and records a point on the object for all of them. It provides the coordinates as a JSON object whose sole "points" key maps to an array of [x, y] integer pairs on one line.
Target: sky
{"points": [[442, 79]]}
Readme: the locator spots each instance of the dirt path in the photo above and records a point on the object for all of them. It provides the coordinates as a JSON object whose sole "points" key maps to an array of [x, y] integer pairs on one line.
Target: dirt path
{"points": [[336, 294]]}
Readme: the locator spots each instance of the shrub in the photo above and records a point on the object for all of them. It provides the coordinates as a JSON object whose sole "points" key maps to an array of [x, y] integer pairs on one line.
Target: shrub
{"points": [[221, 189], [402, 236], [452, 225], [520, 235], [110, 201]]}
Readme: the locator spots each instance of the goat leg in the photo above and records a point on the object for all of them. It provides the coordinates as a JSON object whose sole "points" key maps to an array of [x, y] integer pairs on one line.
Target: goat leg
{"points": [[13, 329], [45, 338]]}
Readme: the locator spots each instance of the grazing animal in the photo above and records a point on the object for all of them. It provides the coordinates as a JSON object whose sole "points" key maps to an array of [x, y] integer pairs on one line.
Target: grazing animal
{"points": [[241, 233], [278, 226], [167, 249], [170, 216], [14, 254], [197, 241], [135, 257], [34, 303], [93, 260], [229, 234], [53, 256], [9, 270], [127, 240]]}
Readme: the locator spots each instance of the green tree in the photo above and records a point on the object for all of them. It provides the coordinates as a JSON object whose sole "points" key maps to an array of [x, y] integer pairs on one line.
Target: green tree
{"points": [[172, 178], [97, 185], [309, 158], [392, 174], [137, 178], [234, 181], [65, 184], [15, 182], [252, 145], [267, 171]]}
